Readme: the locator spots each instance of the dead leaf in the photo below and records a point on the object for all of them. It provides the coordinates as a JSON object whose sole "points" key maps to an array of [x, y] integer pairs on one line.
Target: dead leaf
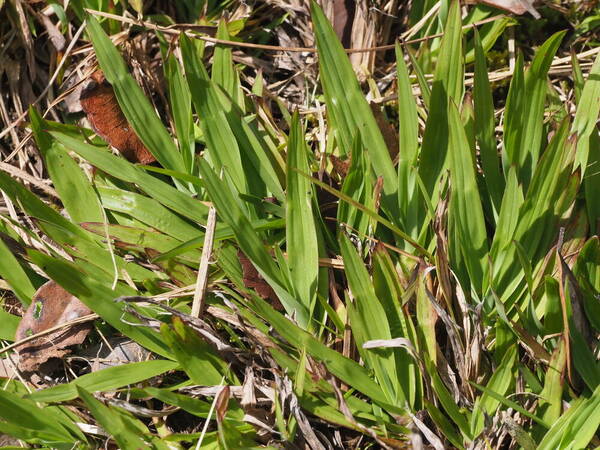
{"points": [[253, 280], [108, 121], [51, 306]]}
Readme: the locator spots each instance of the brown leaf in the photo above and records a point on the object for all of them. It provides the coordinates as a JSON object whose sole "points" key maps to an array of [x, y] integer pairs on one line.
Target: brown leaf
{"points": [[253, 280], [108, 121], [221, 403], [51, 306]]}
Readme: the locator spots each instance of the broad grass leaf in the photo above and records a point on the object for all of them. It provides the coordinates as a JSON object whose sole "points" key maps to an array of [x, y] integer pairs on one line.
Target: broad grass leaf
{"points": [[196, 357], [47, 423], [220, 141], [100, 298], [148, 211], [223, 70], [408, 130], [127, 433], [345, 369], [124, 170], [250, 242], [447, 85], [74, 188], [523, 126], [347, 108], [388, 289], [468, 234], [180, 101], [13, 273], [136, 107], [358, 185], [232, 142], [105, 380], [301, 235], [484, 128], [499, 383], [8, 325], [368, 320], [584, 124], [577, 426]]}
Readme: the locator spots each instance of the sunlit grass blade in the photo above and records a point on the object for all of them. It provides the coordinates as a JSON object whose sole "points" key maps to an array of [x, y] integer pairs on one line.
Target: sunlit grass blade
{"points": [[107, 379], [133, 102], [484, 128], [523, 125], [468, 234], [369, 321], [447, 84], [348, 110], [100, 299], [250, 242], [124, 170], [584, 124], [75, 190], [303, 253], [408, 130], [180, 101]]}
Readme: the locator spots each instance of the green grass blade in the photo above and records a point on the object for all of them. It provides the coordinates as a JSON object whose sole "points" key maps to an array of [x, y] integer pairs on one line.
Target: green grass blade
{"points": [[124, 170], [484, 128], [136, 107], [197, 358], [13, 273], [75, 190], [100, 299], [408, 131], [499, 383], [127, 438], [447, 84], [347, 108], [180, 101], [223, 71], [524, 117], [105, 380], [250, 242], [301, 235], [369, 321], [586, 116], [465, 210]]}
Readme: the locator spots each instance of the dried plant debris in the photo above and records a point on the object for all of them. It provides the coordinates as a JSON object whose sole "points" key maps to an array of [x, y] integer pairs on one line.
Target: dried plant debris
{"points": [[104, 113], [51, 306]]}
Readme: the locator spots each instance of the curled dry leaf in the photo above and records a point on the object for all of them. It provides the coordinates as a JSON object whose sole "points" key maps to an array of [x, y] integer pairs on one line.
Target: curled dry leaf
{"points": [[108, 121], [51, 306]]}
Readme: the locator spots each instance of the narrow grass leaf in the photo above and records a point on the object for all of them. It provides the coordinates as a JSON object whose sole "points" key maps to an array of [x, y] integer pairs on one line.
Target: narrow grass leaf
{"points": [[369, 322], [100, 299], [250, 242], [180, 101], [74, 188], [465, 209], [13, 273], [124, 170], [347, 108], [105, 380], [126, 437], [525, 111], [447, 85], [301, 237], [588, 108], [484, 128], [137, 108]]}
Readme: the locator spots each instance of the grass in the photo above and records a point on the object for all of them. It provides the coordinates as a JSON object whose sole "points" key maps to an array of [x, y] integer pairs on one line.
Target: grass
{"points": [[417, 268]]}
